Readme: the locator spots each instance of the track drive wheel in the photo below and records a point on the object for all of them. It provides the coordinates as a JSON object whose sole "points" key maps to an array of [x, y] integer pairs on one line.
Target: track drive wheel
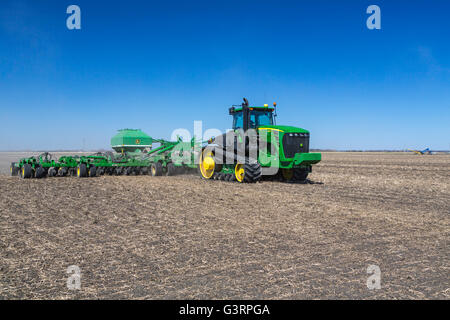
{"points": [[248, 172], [207, 165]]}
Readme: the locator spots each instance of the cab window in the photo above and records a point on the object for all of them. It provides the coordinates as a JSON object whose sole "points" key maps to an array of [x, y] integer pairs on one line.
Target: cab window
{"points": [[260, 118], [264, 118], [238, 121], [257, 118]]}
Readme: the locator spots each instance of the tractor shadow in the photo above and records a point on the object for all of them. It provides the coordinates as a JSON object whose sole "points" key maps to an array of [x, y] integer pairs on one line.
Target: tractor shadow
{"points": [[307, 181]]}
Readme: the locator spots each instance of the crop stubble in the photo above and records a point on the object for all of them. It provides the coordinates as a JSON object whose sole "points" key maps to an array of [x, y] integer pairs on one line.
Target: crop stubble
{"points": [[182, 237]]}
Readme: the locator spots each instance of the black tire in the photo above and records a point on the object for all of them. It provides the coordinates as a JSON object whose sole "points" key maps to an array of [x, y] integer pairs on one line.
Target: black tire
{"points": [[27, 171], [82, 171], [300, 175], [14, 169], [157, 169], [171, 169], [52, 172], [118, 171], [62, 171], [181, 170], [40, 173], [92, 171]]}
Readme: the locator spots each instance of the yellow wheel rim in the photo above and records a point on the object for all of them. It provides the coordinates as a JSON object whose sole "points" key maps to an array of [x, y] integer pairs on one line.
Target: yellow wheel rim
{"points": [[78, 172], [23, 171], [287, 173], [207, 164], [153, 170], [11, 169], [239, 172]]}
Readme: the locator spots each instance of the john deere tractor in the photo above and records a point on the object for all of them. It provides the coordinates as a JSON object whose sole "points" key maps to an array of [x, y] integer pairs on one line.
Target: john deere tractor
{"points": [[257, 148]]}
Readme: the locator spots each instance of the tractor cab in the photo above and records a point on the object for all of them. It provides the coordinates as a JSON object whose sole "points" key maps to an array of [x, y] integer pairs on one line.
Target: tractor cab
{"points": [[246, 117]]}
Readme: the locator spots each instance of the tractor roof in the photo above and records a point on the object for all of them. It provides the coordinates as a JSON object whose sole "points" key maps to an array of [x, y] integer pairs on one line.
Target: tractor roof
{"points": [[235, 109]]}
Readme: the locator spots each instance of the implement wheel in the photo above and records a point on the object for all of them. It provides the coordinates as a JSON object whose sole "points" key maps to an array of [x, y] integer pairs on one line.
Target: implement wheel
{"points": [[62, 171], [92, 171], [52, 172], [247, 172], [171, 169], [81, 171], [27, 171], [40, 172], [14, 169], [157, 169]]}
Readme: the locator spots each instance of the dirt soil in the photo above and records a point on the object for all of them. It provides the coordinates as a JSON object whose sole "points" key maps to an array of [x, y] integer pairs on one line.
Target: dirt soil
{"points": [[181, 237]]}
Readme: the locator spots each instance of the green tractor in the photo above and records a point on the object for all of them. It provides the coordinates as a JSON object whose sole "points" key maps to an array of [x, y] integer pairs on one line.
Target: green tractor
{"points": [[257, 148]]}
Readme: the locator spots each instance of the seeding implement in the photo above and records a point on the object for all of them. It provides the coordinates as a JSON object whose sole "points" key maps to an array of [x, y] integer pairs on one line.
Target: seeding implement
{"points": [[170, 158], [44, 165]]}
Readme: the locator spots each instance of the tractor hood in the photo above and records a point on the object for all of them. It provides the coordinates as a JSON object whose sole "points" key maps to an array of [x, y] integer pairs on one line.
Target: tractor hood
{"points": [[284, 129]]}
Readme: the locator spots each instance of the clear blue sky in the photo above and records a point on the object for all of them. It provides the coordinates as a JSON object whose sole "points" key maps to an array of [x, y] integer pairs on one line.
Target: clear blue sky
{"points": [[160, 65]]}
